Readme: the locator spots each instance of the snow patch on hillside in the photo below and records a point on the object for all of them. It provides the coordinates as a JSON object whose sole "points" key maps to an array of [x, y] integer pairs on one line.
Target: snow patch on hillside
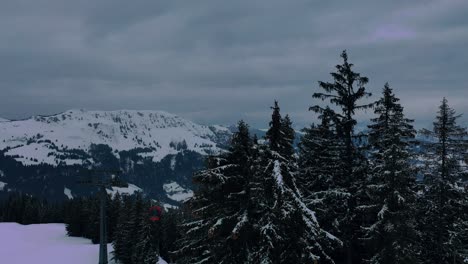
{"points": [[2, 185], [68, 193], [218, 128], [131, 189], [173, 162], [176, 192], [169, 206], [35, 153]]}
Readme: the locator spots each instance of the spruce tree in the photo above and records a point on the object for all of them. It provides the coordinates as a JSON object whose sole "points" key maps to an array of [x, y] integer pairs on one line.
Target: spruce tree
{"points": [[288, 135], [217, 231], [392, 235], [445, 220], [170, 233], [123, 235], [274, 135], [75, 218], [320, 161], [285, 230], [146, 248], [136, 225], [281, 140], [113, 210], [91, 212], [345, 92]]}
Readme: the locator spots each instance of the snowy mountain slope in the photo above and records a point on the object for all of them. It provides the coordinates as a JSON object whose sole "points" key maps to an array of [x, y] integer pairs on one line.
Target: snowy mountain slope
{"points": [[46, 243], [176, 192], [44, 139], [47, 155], [131, 189], [3, 120]]}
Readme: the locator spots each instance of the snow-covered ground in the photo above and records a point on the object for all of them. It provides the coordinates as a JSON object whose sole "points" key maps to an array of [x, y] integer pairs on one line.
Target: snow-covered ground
{"points": [[46, 244], [176, 192]]}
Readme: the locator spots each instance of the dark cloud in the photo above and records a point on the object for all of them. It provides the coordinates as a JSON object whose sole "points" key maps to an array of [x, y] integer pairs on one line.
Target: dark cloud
{"points": [[219, 61]]}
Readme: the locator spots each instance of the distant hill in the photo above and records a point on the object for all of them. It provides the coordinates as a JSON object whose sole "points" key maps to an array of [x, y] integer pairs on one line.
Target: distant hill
{"points": [[45, 155]]}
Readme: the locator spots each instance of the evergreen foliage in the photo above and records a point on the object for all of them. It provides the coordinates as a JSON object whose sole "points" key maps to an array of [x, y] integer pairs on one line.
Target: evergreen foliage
{"points": [[320, 163], [169, 229], [286, 229], [281, 134], [136, 239], [26, 209], [392, 236], [81, 217], [346, 92], [248, 209], [217, 230], [445, 207]]}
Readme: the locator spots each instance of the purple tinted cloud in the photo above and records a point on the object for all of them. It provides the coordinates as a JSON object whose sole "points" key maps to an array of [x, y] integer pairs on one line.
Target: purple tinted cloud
{"points": [[392, 33]]}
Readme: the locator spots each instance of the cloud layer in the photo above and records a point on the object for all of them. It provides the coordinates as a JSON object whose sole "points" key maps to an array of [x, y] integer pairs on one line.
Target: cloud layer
{"points": [[220, 61]]}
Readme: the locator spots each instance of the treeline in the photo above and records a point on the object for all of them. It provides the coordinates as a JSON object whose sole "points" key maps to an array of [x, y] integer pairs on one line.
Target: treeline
{"points": [[26, 209], [135, 238], [81, 217], [334, 201]]}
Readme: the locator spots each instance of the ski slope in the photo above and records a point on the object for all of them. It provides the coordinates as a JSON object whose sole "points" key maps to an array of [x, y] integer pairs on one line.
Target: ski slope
{"points": [[46, 244]]}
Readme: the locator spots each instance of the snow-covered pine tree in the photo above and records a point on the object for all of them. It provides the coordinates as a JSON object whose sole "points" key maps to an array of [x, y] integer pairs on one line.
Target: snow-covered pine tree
{"points": [[136, 225], [169, 233], [288, 136], [218, 231], [392, 235], [146, 249], [282, 140], [75, 217], [123, 235], [114, 202], [285, 230], [445, 223], [91, 229], [345, 92], [320, 161]]}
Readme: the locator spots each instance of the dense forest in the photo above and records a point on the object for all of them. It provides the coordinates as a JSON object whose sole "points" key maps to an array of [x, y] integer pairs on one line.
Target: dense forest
{"points": [[342, 196]]}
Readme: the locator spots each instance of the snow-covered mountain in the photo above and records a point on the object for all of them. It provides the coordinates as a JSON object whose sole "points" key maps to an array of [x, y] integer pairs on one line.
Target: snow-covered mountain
{"points": [[156, 151], [44, 139]]}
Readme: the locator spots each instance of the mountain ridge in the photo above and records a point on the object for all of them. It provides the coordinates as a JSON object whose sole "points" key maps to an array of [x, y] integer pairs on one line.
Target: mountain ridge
{"points": [[40, 138], [156, 151]]}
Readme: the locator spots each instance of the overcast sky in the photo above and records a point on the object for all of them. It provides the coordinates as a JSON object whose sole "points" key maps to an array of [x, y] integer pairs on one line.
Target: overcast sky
{"points": [[220, 61]]}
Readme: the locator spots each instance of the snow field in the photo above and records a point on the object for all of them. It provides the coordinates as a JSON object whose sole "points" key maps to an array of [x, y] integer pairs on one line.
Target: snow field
{"points": [[46, 244]]}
